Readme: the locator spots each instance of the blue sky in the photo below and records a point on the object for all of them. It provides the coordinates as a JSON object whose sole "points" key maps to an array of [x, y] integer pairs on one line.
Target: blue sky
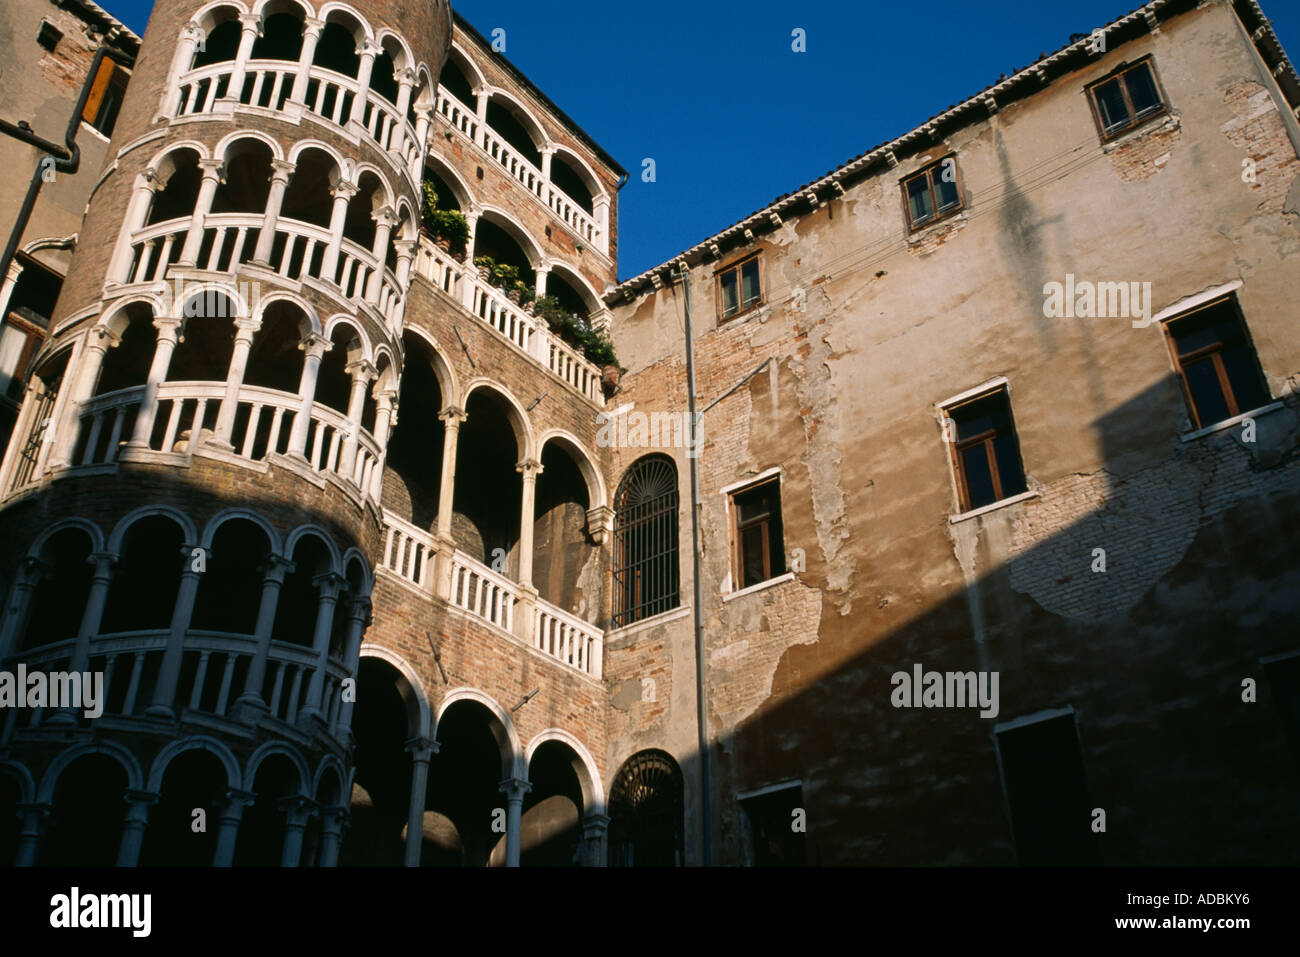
{"points": [[731, 115]]}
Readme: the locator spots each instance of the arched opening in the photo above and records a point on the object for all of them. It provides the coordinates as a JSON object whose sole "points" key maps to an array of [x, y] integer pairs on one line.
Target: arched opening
{"points": [[230, 588], [127, 363], [494, 242], [645, 540], [383, 75], [281, 37], [413, 469], [567, 296], [645, 812], [334, 383], [60, 598], [208, 341], [247, 183], [464, 782], [359, 226], [262, 829], [560, 549], [446, 195], [85, 825], [275, 361], [566, 177], [503, 118], [337, 47], [182, 176], [46, 381], [148, 574], [455, 80], [328, 797], [195, 781], [221, 39], [488, 489], [295, 613], [382, 723], [308, 197], [11, 795], [550, 833]]}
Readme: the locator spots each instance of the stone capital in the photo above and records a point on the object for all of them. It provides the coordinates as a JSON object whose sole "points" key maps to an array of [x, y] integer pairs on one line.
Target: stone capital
{"points": [[362, 369], [281, 170], [384, 216], [275, 567], [453, 416], [311, 27], [515, 788], [330, 584], [406, 76], [102, 338], [369, 48], [315, 346], [529, 468], [422, 749], [600, 522], [344, 189]]}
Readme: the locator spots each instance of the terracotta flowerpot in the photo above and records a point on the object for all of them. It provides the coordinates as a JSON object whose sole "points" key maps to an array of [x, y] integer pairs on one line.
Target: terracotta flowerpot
{"points": [[513, 295], [609, 377], [443, 243], [485, 273]]}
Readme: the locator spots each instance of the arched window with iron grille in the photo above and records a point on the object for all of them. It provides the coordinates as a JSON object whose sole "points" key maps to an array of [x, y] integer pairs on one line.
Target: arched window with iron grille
{"points": [[645, 812], [645, 541]]}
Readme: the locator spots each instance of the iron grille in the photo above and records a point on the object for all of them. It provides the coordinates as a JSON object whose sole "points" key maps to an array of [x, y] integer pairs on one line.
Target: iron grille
{"points": [[645, 541], [645, 809]]}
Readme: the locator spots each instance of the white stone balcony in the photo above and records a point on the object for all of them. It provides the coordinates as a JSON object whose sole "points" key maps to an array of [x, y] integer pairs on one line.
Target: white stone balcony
{"points": [[411, 555], [526, 333]]}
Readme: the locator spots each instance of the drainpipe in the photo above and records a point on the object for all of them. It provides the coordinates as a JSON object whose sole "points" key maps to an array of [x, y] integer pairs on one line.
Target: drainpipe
{"points": [[701, 710], [67, 159]]}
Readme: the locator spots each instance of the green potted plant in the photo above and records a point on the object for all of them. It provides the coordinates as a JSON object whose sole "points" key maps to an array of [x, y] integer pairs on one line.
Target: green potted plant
{"points": [[598, 347], [485, 266], [448, 228], [522, 293]]}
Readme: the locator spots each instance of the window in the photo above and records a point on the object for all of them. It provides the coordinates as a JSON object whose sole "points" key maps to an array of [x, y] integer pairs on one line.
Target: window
{"points": [[645, 541], [1284, 677], [1046, 791], [759, 546], [932, 194], [986, 453], [777, 826], [646, 812], [1216, 363], [49, 35], [105, 99], [1126, 99], [740, 288]]}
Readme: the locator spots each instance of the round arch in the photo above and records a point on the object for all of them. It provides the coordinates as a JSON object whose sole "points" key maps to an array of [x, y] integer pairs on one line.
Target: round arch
{"points": [[597, 494], [332, 325], [442, 369], [196, 742], [201, 290], [593, 795], [518, 417], [531, 124], [477, 81], [277, 747], [207, 16], [583, 170], [222, 149], [367, 576], [407, 61], [285, 296], [423, 723], [503, 729], [231, 514], [302, 5], [578, 283], [115, 319], [359, 22], [134, 775], [517, 232], [455, 182], [331, 763], [188, 530], [85, 525], [20, 773], [302, 531]]}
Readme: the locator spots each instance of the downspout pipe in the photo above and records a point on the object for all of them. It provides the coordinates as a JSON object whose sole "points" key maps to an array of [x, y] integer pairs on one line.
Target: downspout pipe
{"points": [[67, 158], [701, 700]]}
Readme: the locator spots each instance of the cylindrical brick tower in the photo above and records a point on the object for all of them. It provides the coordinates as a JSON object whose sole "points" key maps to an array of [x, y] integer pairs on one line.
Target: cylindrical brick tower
{"points": [[198, 463]]}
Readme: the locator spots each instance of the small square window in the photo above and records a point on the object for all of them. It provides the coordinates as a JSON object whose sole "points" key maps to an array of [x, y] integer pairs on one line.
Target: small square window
{"points": [[1126, 99], [774, 836], [759, 542], [932, 193], [739, 288], [105, 99], [1216, 363], [49, 35], [985, 450]]}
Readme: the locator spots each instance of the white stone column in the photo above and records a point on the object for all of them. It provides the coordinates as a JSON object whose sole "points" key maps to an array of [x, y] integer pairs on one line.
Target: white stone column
{"points": [[169, 672], [202, 206], [595, 833], [423, 120], [314, 347], [251, 29], [328, 587], [7, 290], [529, 469], [280, 173], [384, 219], [421, 749], [451, 417], [358, 619], [297, 810], [548, 154], [405, 256], [311, 31], [245, 330], [168, 336], [182, 63], [514, 790], [84, 367], [250, 705], [228, 832], [385, 412], [331, 835], [20, 605], [362, 373], [368, 51], [137, 819], [147, 184], [342, 192], [33, 817], [543, 273], [600, 212], [91, 618]]}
